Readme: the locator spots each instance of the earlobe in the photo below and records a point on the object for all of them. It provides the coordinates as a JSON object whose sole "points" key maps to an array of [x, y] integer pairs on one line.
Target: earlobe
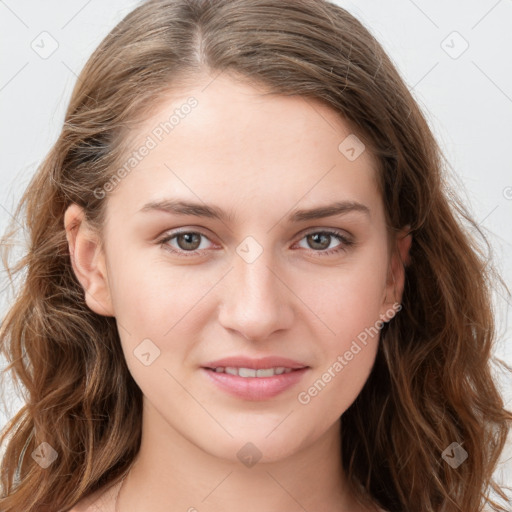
{"points": [[88, 261]]}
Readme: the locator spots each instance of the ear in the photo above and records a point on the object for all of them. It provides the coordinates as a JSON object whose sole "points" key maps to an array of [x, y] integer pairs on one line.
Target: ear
{"points": [[88, 261], [396, 273]]}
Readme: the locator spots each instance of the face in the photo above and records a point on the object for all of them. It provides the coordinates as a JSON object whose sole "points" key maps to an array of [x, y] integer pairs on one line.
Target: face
{"points": [[284, 255]]}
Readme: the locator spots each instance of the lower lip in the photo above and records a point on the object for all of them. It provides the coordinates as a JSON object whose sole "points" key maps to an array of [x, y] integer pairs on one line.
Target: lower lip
{"points": [[255, 388]]}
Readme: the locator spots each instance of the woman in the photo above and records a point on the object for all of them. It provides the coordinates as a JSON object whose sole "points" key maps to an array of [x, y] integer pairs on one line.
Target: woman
{"points": [[246, 285]]}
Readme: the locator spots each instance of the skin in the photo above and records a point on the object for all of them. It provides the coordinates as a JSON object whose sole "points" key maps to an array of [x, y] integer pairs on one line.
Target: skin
{"points": [[259, 157]]}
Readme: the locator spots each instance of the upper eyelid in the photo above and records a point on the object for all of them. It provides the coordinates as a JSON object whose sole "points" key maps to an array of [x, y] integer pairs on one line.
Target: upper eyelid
{"points": [[334, 231], [170, 234]]}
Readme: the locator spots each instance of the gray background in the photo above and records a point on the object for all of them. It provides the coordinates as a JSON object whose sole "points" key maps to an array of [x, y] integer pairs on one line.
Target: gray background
{"points": [[466, 94]]}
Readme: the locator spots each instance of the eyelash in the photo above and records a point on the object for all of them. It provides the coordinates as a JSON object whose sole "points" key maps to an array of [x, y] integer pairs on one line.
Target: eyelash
{"points": [[346, 243]]}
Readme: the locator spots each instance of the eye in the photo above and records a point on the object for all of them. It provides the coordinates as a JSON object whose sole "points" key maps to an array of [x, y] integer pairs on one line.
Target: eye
{"points": [[187, 242], [321, 240]]}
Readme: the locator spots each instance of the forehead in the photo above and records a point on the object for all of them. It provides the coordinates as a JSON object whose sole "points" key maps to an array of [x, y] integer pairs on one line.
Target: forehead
{"points": [[230, 143]]}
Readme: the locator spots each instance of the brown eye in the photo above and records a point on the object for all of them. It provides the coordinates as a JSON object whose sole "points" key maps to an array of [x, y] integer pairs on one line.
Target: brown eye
{"points": [[319, 242], [188, 241], [184, 242]]}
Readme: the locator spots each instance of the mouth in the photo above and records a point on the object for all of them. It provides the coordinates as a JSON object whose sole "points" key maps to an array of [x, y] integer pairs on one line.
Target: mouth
{"points": [[254, 379], [253, 373]]}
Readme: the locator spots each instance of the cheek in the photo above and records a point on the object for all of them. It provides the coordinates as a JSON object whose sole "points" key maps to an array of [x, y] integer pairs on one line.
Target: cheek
{"points": [[351, 310], [153, 295], [347, 299], [158, 303], [333, 389]]}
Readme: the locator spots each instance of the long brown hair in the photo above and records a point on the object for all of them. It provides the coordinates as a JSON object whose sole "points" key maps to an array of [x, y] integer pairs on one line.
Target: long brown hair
{"points": [[432, 383]]}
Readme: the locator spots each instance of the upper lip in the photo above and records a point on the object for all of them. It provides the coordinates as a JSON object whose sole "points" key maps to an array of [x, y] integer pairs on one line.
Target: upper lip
{"points": [[255, 364]]}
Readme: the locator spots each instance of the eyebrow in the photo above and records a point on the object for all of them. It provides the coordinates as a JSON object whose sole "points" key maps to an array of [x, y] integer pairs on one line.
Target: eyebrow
{"points": [[180, 207]]}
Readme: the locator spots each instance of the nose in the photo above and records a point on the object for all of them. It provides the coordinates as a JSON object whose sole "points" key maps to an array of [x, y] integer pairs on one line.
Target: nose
{"points": [[256, 301]]}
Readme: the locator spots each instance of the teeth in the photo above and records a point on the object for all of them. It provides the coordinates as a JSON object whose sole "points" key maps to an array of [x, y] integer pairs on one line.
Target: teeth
{"points": [[247, 372], [250, 372]]}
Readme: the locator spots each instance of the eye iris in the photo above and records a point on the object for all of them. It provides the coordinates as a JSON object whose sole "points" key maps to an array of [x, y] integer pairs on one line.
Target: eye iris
{"points": [[315, 236], [187, 237]]}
